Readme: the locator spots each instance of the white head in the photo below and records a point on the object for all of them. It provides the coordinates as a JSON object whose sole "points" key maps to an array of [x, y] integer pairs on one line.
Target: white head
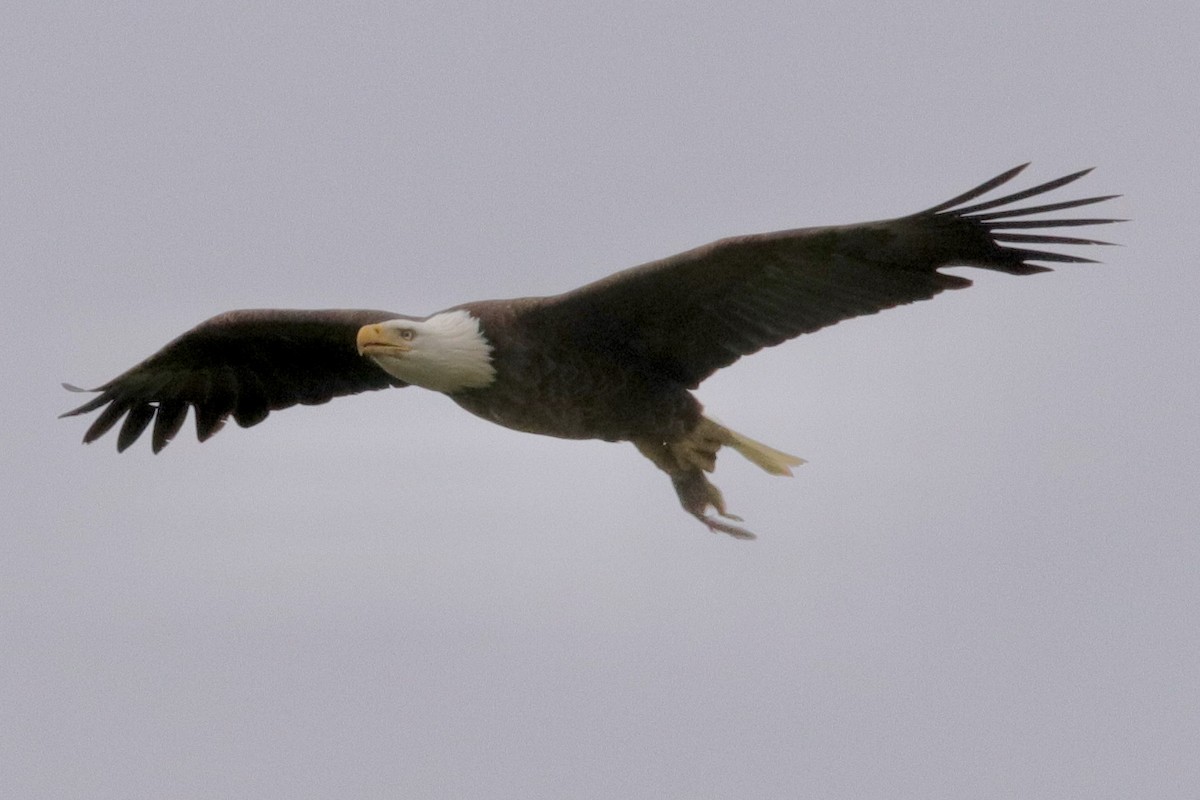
{"points": [[446, 353]]}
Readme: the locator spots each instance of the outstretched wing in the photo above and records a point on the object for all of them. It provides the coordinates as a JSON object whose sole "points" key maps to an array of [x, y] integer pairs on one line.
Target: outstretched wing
{"points": [[242, 363], [691, 314]]}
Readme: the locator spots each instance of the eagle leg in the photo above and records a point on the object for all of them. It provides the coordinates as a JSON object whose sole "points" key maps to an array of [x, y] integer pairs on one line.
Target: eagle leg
{"points": [[683, 462], [696, 494]]}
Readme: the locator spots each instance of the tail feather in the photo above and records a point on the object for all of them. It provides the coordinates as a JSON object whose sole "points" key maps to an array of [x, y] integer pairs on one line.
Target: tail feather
{"points": [[765, 457]]}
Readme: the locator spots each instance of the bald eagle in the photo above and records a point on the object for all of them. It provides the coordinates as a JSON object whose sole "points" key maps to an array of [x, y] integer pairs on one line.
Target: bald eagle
{"points": [[614, 360]]}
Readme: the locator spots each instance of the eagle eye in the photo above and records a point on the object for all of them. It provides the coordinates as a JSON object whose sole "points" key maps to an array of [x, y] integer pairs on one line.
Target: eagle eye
{"points": [[407, 334]]}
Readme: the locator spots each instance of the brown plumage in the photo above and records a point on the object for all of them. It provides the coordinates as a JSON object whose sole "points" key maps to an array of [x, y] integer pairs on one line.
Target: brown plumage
{"points": [[611, 360]]}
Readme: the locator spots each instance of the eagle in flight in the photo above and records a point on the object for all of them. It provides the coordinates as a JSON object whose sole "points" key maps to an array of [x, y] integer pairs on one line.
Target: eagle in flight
{"points": [[616, 359]]}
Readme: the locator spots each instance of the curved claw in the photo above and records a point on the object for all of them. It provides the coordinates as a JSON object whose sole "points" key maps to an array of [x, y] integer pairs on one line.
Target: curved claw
{"points": [[696, 494], [715, 525]]}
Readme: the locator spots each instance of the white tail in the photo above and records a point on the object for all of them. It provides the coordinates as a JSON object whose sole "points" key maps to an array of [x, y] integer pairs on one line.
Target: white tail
{"points": [[764, 457]]}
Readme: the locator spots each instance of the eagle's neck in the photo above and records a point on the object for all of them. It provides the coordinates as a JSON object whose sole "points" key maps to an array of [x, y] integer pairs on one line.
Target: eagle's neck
{"points": [[449, 354]]}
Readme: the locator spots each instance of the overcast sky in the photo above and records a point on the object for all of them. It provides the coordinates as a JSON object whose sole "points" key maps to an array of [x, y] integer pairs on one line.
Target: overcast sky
{"points": [[984, 583]]}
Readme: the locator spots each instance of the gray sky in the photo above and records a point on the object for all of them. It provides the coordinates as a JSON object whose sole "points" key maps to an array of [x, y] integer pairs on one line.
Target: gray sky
{"points": [[984, 583]]}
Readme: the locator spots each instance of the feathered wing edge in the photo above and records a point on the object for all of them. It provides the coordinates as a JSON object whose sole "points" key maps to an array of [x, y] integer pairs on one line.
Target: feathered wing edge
{"points": [[1010, 253], [240, 364], [168, 416]]}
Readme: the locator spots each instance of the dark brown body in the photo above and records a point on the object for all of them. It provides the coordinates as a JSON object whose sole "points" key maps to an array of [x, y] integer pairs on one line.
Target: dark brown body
{"points": [[572, 382]]}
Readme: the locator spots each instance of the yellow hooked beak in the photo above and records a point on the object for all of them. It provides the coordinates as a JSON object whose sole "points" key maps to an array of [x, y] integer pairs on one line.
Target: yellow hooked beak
{"points": [[380, 340]]}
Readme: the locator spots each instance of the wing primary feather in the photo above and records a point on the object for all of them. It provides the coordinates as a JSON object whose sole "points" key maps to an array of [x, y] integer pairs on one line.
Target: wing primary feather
{"points": [[138, 418], [1021, 212], [219, 400], [167, 422], [1045, 223], [209, 420], [981, 189], [1045, 255], [1039, 239], [1041, 188], [252, 405], [108, 418], [91, 405]]}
